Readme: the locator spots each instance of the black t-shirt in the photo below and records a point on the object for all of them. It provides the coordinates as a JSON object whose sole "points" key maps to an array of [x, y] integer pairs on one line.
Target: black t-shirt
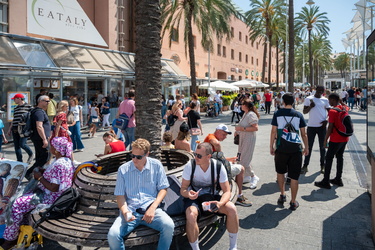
{"points": [[193, 117], [40, 115], [351, 93]]}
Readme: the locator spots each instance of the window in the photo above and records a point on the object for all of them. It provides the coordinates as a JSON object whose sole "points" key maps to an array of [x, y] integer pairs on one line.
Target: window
{"points": [[257, 62], [232, 54], [4, 16], [247, 59], [232, 31], [240, 57], [240, 36], [195, 41], [224, 51], [257, 45], [174, 36], [219, 50], [246, 39], [252, 60]]}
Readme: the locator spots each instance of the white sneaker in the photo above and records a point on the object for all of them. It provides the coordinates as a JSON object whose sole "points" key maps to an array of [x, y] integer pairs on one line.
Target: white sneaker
{"points": [[246, 179], [76, 163], [254, 182], [80, 150]]}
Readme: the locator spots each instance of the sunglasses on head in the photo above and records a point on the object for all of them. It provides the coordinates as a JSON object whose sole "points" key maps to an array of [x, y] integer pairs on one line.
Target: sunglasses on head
{"points": [[139, 157], [199, 156]]}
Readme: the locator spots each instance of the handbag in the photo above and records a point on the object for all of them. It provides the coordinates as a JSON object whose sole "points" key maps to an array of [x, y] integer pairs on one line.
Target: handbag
{"points": [[70, 117], [95, 120], [236, 139]]}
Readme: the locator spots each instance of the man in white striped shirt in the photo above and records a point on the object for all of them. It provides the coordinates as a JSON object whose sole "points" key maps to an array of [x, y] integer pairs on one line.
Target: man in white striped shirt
{"points": [[140, 188]]}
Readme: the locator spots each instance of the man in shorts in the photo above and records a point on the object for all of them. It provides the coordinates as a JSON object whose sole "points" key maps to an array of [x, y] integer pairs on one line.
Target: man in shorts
{"points": [[201, 189], [288, 157], [237, 170]]}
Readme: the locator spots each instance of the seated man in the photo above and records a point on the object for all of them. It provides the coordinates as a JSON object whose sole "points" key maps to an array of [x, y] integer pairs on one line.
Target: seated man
{"points": [[237, 170], [140, 188], [201, 189]]}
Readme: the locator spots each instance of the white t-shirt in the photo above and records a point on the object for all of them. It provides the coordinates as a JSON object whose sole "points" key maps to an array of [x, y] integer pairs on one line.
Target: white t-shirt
{"points": [[203, 179], [75, 111], [344, 94], [318, 113]]}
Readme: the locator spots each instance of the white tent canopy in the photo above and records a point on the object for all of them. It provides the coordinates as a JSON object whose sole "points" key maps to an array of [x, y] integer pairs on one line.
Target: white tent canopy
{"points": [[245, 83], [219, 85]]}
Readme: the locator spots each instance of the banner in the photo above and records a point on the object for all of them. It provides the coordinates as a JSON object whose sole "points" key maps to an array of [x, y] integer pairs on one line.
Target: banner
{"points": [[61, 19]]}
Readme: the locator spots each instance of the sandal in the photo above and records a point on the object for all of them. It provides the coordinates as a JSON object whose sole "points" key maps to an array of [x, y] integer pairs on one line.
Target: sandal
{"points": [[293, 206]]}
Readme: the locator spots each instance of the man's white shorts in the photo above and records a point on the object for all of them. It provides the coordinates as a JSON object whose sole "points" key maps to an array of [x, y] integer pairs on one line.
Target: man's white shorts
{"points": [[235, 169]]}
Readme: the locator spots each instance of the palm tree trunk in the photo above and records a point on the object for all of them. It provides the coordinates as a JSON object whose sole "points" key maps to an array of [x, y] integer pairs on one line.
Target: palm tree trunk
{"points": [[269, 58], [291, 69], [148, 73], [193, 75], [284, 61], [277, 65], [264, 61], [311, 61]]}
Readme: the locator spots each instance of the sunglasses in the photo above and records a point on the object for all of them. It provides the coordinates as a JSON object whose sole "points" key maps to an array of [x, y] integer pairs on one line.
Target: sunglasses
{"points": [[199, 156], [139, 157], [46, 101]]}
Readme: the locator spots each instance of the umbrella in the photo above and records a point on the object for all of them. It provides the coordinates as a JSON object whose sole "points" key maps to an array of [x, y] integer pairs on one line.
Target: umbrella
{"points": [[262, 85], [245, 83], [220, 85]]}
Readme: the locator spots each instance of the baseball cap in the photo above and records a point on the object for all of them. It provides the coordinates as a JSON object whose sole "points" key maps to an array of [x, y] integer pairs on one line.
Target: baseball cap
{"points": [[18, 96], [224, 127], [184, 127]]}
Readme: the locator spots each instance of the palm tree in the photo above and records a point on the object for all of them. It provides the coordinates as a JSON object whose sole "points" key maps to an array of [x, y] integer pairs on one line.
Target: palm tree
{"points": [[148, 73], [311, 21], [322, 50], [342, 63], [260, 18], [211, 17]]}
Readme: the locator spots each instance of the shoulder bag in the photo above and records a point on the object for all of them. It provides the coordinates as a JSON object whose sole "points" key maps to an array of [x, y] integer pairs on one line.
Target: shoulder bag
{"points": [[194, 131]]}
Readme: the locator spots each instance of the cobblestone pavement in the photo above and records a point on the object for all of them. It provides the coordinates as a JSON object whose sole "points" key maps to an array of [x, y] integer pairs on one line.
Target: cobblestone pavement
{"points": [[339, 218]]}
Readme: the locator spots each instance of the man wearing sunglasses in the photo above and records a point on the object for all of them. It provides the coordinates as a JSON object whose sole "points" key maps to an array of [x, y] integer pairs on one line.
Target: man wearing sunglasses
{"points": [[237, 170], [140, 188], [41, 132], [201, 189]]}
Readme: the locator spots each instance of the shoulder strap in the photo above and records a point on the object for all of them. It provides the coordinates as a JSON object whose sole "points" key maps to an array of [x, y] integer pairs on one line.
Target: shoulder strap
{"points": [[218, 170], [193, 165], [213, 176]]}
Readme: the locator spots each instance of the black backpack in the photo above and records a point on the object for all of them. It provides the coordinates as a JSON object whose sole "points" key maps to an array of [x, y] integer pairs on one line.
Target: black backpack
{"points": [[64, 206], [219, 156], [218, 168], [24, 125], [344, 125]]}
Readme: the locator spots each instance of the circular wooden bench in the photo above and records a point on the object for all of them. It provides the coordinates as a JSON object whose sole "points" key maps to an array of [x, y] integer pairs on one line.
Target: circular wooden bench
{"points": [[97, 207]]}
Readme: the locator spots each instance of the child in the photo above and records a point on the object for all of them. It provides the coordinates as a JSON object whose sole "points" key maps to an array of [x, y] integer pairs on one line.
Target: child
{"points": [[2, 135], [167, 139]]}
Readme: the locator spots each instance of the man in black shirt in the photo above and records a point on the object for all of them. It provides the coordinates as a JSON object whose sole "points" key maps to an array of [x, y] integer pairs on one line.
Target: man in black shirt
{"points": [[41, 132], [18, 142]]}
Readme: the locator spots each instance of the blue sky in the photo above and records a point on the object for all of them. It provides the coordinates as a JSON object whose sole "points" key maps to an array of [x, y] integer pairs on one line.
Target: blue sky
{"points": [[340, 12]]}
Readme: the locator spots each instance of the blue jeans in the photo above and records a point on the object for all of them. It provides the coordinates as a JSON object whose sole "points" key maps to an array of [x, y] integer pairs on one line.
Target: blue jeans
{"points": [[351, 102], [120, 228], [193, 143], [129, 134], [20, 143], [163, 112], [76, 136]]}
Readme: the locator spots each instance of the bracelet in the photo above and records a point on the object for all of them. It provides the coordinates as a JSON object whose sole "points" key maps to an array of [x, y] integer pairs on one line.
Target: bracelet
{"points": [[40, 178]]}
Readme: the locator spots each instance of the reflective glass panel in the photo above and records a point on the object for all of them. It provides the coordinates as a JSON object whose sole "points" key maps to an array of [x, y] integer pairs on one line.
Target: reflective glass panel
{"points": [[34, 54]]}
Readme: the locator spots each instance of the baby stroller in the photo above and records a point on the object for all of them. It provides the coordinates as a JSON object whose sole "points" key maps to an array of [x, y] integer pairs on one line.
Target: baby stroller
{"points": [[210, 110]]}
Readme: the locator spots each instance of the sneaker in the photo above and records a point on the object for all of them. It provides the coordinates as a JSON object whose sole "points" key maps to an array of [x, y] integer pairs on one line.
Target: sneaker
{"points": [[322, 169], [281, 199], [304, 169], [322, 184], [30, 159], [246, 179], [254, 182], [243, 201], [76, 163], [80, 150], [337, 182], [293, 206]]}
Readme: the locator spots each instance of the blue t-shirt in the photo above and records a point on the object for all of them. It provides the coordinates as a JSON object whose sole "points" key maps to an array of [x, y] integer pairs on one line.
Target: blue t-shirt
{"points": [[1, 127], [282, 116]]}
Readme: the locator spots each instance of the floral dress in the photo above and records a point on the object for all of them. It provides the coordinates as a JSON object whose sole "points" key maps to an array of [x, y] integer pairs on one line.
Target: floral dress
{"points": [[63, 132], [59, 172]]}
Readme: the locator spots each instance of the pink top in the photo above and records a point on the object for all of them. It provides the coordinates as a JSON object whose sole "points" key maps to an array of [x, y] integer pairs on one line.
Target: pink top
{"points": [[128, 107]]}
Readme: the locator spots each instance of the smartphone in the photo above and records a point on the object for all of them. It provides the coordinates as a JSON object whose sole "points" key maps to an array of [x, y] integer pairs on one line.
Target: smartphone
{"points": [[199, 190], [213, 207]]}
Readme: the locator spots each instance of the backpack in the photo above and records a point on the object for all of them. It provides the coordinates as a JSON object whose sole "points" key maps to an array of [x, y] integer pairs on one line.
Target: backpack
{"points": [[219, 156], [218, 168], [24, 126], [171, 119], [63, 206], [173, 201], [123, 121], [290, 141], [344, 125]]}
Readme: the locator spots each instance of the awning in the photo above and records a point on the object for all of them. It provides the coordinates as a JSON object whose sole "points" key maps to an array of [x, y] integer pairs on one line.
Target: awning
{"points": [[219, 85], [245, 83], [9, 53], [61, 55]]}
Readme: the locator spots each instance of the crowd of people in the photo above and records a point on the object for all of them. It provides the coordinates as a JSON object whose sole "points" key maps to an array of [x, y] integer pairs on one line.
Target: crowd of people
{"points": [[291, 138]]}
